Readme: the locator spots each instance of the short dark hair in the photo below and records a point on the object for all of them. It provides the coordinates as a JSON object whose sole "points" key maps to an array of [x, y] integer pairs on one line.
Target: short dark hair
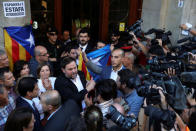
{"points": [[26, 84], [71, 46], [18, 66], [67, 60], [18, 119], [93, 118], [85, 30], [127, 77], [40, 67], [105, 90], [156, 50], [2, 71]]}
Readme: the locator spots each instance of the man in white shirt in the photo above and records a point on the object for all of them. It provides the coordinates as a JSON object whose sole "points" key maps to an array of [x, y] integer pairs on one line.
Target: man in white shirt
{"points": [[72, 83]]}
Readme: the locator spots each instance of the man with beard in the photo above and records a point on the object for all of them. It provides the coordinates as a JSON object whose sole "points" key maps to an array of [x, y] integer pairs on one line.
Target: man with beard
{"points": [[72, 83], [126, 82], [115, 36], [84, 39]]}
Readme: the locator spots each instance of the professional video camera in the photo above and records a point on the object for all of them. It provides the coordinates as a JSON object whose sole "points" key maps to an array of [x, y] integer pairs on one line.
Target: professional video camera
{"points": [[136, 28], [191, 39], [122, 121], [151, 94], [166, 117], [160, 34], [161, 64]]}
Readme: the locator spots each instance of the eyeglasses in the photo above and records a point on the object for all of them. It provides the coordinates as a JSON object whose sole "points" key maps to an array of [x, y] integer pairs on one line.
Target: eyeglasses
{"points": [[52, 34], [45, 54]]}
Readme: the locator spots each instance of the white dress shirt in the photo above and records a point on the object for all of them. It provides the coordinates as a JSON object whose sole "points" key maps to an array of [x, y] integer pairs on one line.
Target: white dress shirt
{"points": [[78, 83], [83, 47], [114, 74]]}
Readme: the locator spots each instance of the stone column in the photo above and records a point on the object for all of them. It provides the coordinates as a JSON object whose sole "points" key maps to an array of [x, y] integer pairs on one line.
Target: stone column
{"points": [[14, 21]]}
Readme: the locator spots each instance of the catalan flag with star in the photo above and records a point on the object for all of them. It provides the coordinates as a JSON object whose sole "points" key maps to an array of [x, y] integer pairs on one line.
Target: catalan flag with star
{"points": [[19, 43]]}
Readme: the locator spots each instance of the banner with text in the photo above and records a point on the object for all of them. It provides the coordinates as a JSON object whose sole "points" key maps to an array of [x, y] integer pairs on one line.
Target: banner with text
{"points": [[14, 9]]}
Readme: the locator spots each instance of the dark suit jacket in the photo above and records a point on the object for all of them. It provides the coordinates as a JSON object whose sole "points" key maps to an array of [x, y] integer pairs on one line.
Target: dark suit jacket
{"points": [[22, 103], [60, 118], [89, 48], [68, 90]]}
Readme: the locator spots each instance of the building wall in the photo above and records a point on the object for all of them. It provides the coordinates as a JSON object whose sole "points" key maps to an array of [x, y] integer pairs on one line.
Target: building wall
{"points": [[165, 14]]}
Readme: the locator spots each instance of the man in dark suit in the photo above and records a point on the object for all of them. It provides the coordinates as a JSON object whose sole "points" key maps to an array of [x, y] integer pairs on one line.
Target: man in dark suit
{"points": [[84, 38], [72, 83], [59, 115], [28, 89]]}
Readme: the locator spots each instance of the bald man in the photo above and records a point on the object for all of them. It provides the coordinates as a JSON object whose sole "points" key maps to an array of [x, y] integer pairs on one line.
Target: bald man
{"points": [[40, 57], [128, 60], [59, 115]]}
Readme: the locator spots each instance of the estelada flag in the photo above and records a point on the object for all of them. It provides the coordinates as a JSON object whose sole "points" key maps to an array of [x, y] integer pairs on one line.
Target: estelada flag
{"points": [[19, 43], [82, 67]]}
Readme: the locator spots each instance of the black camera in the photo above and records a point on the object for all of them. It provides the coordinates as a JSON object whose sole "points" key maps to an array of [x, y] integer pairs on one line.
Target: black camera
{"points": [[136, 29], [122, 121], [166, 117], [151, 94], [160, 34]]}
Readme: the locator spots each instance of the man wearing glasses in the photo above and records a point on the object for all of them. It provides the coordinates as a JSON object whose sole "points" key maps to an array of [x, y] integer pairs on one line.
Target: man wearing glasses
{"points": [[41, 56]]}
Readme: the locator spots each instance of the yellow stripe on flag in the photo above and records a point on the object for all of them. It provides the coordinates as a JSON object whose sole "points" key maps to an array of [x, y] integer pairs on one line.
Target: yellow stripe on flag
{"points": [[88, 75], [22, 52], [80, 62], [8, 48]]}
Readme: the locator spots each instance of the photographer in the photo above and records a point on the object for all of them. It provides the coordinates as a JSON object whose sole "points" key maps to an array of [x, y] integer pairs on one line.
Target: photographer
{"points": [[163, 115]]}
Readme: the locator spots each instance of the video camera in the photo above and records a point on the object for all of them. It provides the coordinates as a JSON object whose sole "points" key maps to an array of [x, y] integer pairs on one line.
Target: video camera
{"points": [[136, 28], [160, 34], [161, 64], [122, 121], [166, 117]]}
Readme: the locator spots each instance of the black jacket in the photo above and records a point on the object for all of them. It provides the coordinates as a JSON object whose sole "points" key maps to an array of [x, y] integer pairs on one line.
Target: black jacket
{"points": [[68, 90], [60, 118], [22, 103]]}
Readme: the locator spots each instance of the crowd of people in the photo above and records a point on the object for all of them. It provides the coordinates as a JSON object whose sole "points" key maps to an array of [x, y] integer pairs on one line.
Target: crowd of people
{"points": [[49, 93]]}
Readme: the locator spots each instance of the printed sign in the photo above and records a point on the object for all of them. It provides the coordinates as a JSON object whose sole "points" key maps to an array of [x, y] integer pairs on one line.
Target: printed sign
{"points": [[122, 27], [14, 9]]}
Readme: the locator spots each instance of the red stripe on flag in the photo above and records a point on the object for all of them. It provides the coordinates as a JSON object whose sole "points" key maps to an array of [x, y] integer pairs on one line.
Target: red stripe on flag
{"points": [[84, 68], [28, 56], [15, 51]]}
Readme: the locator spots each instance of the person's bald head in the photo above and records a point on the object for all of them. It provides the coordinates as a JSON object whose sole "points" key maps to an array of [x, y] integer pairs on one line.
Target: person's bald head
{"points": [[116, 58], [128, 59], [50, 99], [41, 54]]}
